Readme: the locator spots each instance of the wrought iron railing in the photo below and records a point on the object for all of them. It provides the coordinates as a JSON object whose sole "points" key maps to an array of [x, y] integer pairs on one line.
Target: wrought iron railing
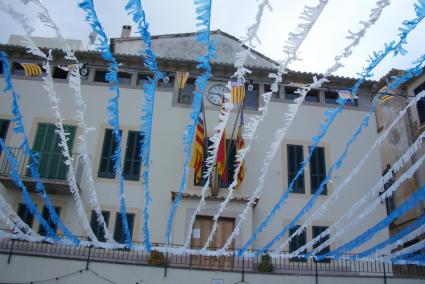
{"points": [[279, 265], [51, 166]]}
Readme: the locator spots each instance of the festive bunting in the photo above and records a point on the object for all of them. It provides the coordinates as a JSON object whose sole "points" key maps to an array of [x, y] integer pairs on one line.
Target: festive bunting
{"points": [[203, 12], [112, 77]]}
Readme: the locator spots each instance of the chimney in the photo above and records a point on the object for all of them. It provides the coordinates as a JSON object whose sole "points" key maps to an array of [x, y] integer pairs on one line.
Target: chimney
{"points": [[126, 30]]}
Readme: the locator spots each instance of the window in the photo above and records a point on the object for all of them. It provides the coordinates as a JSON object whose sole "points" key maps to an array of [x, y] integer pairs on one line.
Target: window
{"points": [[106, 167], [318, 170], [317, 230], [295, 157], [251, 97], [59, 73], [99, 76], [331, 97], [420, 106], [46, 143], [185, 95], [119, 235], [25, 215], [96, 227], [313, 96], [296, 242], [290, 93], [230, 162], [124, 78], [46, 216], [142, 79], [132, 159], [17, 69], [4, 126]]}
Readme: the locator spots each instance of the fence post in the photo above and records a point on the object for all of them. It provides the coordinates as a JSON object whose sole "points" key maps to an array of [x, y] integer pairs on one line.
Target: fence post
{"points": [[10, 252], [317, 275], [385, 274], [88, 258], [165, 264], [243, 270]]}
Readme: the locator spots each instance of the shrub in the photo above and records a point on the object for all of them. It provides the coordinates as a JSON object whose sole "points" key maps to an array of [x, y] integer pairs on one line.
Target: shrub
{"points": [[156, 258], [266, 264]]}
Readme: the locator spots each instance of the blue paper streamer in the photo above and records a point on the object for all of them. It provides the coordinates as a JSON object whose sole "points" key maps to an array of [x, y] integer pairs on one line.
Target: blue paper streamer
{"points": [[113, 107], [408, 205], [203, 12], [135, 8], [33, 166], [391, 240], [330, 114], [26, 198]]}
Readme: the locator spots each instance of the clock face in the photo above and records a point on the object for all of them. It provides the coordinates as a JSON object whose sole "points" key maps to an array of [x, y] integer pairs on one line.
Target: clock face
{"points": [[216, 94]]}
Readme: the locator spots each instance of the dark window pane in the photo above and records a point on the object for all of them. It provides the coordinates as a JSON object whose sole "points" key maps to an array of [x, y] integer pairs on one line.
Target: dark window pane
{"points": [[17, 69], [99, 76], [132, 160], [317, 230], [186, 94], [230, 162], [419, 88], [124, 78], [46, 216], [290, 93], [318, 169], [331, 97], [4, 126], [59, 73], [251, 97], [1, 67], [25, 215], [119, 235], [296, 242], [420, 106], [142, 79], [106, 165], [295, 157], [313, 96], [96, 227]]}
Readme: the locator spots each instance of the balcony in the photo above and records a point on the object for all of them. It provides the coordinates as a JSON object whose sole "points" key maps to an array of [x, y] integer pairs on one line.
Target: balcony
{"points": [[52, 171]]}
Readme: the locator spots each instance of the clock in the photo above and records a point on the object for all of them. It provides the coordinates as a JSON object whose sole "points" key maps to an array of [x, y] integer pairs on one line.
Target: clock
{"points": [[216, 94]]}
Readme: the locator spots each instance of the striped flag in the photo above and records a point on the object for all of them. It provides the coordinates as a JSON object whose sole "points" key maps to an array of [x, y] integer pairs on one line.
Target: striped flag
{"points": [[31, 69], [237, 92], [182, 78], [198, 150], [221, 158], [240, 143]]}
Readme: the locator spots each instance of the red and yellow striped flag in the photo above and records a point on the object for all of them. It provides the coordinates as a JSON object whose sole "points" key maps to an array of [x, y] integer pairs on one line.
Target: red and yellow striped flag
{"points": [[221, 158], [240, 143], [237, 92], [198, 150]]}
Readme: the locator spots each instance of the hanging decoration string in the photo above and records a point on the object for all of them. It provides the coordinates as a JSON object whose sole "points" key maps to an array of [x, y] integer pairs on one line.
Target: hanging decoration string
{"points": [[331, 114], [309, 17], [400, 254], [290, 115], [395, 168], [203, 12], [415, 71], [75, 85], [19, 129], [250, 38], [134, 7], [113, 107], [407, 205]]}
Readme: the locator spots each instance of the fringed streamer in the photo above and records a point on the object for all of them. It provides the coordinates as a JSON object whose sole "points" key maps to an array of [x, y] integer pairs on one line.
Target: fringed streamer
{"points": [[355, 37], [212, 155], [26, 198], [135, 8], [395, 168], [397, 82], [375, 13], [415, 257], [203, 12], [295, 39], [75, 84], [331, 114], [249, 38], [33, 166], [416, 198], [403, 253], [113, 107], [409, 233]]}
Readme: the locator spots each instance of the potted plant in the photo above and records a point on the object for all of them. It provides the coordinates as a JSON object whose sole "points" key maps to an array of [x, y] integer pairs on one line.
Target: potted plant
{"points": [[266, 264]]}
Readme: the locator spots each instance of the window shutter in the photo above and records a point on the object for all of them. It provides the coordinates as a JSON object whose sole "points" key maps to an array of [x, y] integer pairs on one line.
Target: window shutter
{"points": [[318, 170], [295, 158], [119, 230], [132, 159], [106, 165], [98, 229]]}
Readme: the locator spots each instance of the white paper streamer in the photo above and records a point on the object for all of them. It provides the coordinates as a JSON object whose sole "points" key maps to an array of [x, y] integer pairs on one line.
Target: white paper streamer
{"points": [[75, 84], [334, 196], [212, 155], [295, 39], [51, 93], [418, 246]]}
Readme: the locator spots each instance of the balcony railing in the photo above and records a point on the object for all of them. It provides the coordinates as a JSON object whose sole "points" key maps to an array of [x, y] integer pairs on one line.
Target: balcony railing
{"points": [[53, 171], [280, 265]]}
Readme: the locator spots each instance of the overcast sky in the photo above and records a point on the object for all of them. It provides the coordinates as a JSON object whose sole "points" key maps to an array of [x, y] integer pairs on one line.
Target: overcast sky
{"points": [[326, 39]]}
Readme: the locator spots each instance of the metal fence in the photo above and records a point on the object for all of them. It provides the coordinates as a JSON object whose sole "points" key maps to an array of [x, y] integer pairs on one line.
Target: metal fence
{"points": [[222, 263]]}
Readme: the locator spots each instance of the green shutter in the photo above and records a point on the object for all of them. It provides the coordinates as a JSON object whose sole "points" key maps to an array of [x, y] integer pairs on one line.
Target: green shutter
{"points": [[132, 159]]}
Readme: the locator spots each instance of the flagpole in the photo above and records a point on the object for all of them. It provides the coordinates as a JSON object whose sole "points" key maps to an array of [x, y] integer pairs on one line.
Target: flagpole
{"points": [[205, 118]]}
